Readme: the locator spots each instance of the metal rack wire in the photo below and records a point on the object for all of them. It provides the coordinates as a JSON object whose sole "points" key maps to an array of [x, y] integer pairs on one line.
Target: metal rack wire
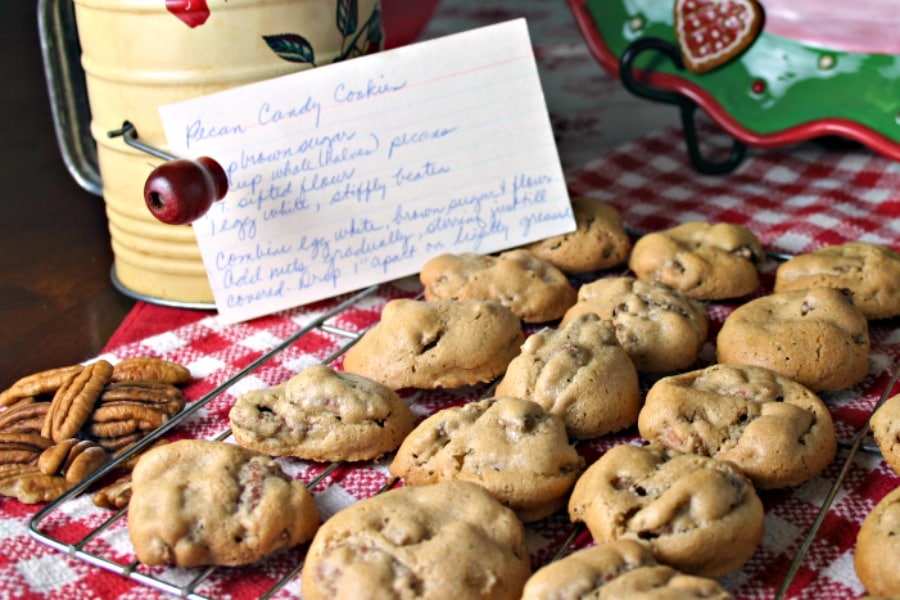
{"points": [[93, 550]]}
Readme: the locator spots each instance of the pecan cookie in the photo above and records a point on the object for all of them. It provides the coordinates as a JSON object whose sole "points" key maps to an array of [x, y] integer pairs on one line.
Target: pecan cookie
{"points": [[878, 546], [775, 430], [439, 344], [698, 515], [885, 424], [706, 261], [619, 569], [661, 328], [322, 415], [197, 502], [869, 273], [511, 447], [579, 373], [532, 288], [598, 242], [446, 540], [816, 337]]}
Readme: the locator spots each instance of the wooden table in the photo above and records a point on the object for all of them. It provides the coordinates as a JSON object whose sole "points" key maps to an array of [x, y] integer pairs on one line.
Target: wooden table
{"points": [[57, 302]]}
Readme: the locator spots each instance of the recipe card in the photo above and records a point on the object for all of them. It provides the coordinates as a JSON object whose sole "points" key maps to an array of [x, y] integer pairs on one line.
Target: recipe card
{"points": [[359, 172]]}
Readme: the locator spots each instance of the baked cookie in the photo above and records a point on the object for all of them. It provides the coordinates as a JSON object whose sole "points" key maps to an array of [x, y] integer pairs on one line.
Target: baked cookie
{"points": [[705, 261], [699, 515], [579, 373], [878, 546], [622, 568], [511, 447], [198, 502], [322, 415], [661, 328], [439, 344], [532, 288], [870, 273], [816, 337], [775, 430], [885, 423], [446, 540], [598, 242]]}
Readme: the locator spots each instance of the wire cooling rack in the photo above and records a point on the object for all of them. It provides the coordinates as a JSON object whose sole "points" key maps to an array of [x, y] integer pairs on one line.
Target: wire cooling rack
{"points": [[72, 525]]}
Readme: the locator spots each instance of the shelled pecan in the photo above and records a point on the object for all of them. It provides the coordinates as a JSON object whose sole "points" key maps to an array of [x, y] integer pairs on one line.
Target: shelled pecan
{"points": [[115, 495], [74, 401], [21, 448], [151, 369], [38, 384], [24, 417], [29, 485]]}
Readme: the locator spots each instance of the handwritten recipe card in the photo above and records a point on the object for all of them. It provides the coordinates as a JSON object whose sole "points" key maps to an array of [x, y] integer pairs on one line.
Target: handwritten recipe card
{"points": [[359, 172]]}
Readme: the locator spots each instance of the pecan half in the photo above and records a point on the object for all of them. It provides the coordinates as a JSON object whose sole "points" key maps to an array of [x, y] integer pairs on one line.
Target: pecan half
{"points": [[151, 369], [120, 443], [24, 417], [115, 495], [73, 459], [157, 394], [29, 485], [44, 382], [74, 401]]}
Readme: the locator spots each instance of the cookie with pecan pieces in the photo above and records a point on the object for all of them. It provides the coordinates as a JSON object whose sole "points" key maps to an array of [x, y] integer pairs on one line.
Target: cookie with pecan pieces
{"points": [[511, 447], [885, 424], [598, 242], [775, 430], [817, 337], [619, 569], [322, 414], [698, 514], [579, 373], [197, 502], [706, 261], [661, 328], [446, 540], [437, 344], [534, 289], [877, 547], [870, 273]]}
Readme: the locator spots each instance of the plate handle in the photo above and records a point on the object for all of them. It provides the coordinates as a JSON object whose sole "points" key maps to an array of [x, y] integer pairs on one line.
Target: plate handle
{"points": [[688, 107]]}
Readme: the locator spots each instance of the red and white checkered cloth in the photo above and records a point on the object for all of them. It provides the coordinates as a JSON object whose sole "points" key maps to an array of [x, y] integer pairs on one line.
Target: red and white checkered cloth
{"points": [[794, 200]]}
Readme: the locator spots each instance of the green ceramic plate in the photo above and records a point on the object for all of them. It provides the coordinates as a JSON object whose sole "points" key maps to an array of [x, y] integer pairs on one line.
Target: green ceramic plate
{"points": [[781, 90]]}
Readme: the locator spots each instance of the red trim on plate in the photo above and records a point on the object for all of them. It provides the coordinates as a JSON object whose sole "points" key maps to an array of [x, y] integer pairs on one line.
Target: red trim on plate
{"points": [[792, 135]]}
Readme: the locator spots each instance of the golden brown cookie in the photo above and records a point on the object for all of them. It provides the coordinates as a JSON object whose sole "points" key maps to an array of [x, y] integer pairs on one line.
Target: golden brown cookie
{"points": [[885, 423], [775, 430], [598, 242], [878, 546], [511, 447], [706, 261], [869, 273], [198, 502], [816, 337], [622, 568], [323, 415], [661, 328], [579, 373], [532, 288], [699, 515], [446, 540], [440, 344]]}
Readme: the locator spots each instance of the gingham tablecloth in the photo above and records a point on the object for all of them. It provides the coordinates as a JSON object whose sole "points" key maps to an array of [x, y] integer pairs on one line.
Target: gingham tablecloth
{"points": [[795, 200]]}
